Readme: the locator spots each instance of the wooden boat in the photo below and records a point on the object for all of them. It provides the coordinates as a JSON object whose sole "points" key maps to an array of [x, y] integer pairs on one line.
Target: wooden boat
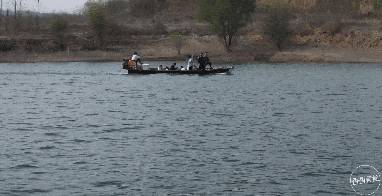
{"points": [[199, 72]]}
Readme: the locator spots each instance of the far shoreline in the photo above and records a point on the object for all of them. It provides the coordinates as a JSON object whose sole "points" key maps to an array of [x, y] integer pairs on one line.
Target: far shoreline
{"points": [[307, 56]]}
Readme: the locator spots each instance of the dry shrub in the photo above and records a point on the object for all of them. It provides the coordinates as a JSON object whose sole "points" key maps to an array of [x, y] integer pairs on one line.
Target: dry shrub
{"points": [[339, 7], [89, 45], [33, 45], [115, 30], [7, 45], [333, 27], [302, 28], [159, 28], [116, 7], [146, 8]]}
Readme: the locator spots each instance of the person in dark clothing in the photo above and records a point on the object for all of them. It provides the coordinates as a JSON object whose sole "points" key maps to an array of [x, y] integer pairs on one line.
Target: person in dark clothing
{"points": [[202, 61], [207, 60], [173, 67]]}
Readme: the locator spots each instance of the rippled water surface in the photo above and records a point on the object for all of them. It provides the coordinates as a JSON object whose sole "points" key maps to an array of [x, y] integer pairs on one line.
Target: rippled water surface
{"points": [[89, 129]]}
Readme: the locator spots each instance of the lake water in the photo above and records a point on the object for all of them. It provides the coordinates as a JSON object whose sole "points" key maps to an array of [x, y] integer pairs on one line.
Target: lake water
{"points": [[89, 129]]}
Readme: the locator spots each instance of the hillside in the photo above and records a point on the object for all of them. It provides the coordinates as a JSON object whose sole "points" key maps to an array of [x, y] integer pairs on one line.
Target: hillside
{"points": [[323, 31]]}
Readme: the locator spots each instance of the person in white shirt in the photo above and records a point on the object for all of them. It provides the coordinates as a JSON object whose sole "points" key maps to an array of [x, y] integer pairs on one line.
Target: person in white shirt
{"points": [[182, 68], [160, 68], [137, 59], [190, 62]]}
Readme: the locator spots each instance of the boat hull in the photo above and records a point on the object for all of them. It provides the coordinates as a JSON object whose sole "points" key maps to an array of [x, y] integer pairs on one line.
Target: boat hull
{"points": [[198, 72]]}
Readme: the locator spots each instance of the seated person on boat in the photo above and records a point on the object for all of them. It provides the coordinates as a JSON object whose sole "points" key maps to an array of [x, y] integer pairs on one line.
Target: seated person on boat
{"points": [[173, 67], [160, 68], [135, 62], [207, 60]]}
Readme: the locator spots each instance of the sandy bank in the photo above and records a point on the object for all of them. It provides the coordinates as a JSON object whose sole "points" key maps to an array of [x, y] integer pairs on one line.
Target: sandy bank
{"points": [[329, 56]]}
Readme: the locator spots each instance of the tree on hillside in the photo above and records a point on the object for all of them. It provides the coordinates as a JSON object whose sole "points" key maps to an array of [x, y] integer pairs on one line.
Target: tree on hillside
{"points": [[226, 17], [96, 14], [59, 28], [277, 23]]}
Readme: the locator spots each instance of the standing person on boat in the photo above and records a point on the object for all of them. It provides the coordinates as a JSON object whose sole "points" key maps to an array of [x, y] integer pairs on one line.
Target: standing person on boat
{"points": [[202, 61], [207, 60], [190, 63]]}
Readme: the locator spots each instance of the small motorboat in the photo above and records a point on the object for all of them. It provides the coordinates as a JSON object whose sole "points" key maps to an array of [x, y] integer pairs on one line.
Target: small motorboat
{"points": [[187, 72]]}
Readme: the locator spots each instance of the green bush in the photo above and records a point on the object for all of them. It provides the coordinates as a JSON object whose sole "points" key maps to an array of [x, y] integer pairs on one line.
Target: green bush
{"points": [[58, 28], [377, 4]]}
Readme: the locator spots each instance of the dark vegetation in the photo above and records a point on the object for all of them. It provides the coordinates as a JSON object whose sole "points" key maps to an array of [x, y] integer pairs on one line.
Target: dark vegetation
{"points": [[59, 28], [277, 23]]}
